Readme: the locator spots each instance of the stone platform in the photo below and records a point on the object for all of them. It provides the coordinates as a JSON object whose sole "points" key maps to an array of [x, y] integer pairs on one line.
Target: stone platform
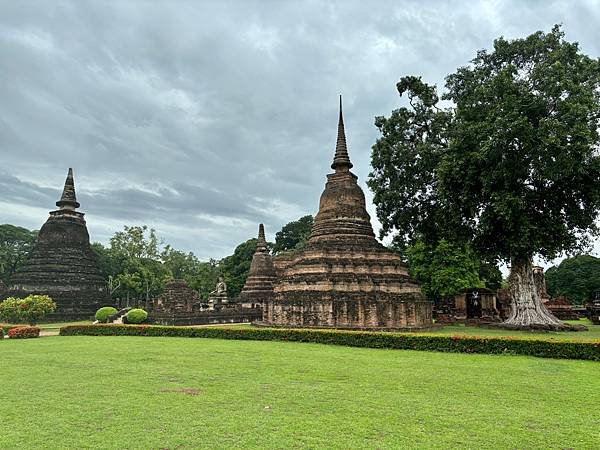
{"points": [[394, 313], [223, 316]]}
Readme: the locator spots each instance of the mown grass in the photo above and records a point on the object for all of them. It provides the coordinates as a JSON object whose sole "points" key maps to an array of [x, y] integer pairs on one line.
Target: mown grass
{"points": [[151, 393]]}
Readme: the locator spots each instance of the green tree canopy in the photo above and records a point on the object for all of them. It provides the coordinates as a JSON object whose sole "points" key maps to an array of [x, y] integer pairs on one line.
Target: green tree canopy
{"points": [[444, 269], [447, 268], [235, 268], [204, 278], [577, 278], [179, 264], [511, 167], [133, 263], [293, 236], [15, 245]]}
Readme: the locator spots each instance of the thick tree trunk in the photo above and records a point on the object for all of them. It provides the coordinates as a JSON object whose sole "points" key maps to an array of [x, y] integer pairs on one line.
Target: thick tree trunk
{"points": [[528, 311]]}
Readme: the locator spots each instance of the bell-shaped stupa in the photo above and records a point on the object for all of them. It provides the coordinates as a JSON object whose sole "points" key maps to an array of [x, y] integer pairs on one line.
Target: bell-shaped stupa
{"points": [[62, 263], [344, 278]]}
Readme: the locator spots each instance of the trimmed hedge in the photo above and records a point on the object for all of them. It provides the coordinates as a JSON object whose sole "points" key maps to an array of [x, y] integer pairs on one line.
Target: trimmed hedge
{"points": [[24, 332], [6, 328], [136, 316], [589, 350], [103, 313]]}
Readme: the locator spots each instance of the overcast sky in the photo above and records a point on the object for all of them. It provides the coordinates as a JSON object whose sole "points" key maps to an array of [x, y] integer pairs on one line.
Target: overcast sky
{"points": [[202, 119]]}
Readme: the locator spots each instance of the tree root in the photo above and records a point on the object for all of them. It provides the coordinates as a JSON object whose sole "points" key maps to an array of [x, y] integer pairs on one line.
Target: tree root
{"points": [[538, 327]]}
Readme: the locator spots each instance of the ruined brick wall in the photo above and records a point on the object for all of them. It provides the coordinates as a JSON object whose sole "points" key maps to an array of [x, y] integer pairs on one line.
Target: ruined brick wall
{"points": [[177, 297]]}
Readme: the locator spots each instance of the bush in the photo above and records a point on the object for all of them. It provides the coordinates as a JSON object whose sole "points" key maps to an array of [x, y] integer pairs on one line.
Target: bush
{"points": [[35, 307], [1, 333], [9, 310], [23, 332], [30, 309], [589, 350], [103, 313], [136, 316]]}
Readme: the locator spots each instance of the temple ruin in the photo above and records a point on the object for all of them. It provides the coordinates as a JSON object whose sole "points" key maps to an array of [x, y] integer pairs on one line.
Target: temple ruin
{"points": [[177, 298], [259, 285], [62, 263], [473, 306], [344, 278]]}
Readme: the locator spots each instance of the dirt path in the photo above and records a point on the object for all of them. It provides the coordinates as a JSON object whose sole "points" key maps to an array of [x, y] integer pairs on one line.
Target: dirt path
{"points": [[48, 333]]}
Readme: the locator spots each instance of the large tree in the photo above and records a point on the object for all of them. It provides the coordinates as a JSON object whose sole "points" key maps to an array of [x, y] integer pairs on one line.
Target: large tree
{"points": [[512, 166], [134, 261]]}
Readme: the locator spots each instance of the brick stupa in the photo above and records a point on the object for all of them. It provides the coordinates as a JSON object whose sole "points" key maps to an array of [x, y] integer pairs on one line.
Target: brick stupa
{"points": [[344, 278], [62, 263], [259, 285]]}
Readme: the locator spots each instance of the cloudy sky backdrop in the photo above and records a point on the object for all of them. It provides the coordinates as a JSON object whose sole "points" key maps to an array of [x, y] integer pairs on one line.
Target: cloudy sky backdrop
{"points": [[204, 118]]}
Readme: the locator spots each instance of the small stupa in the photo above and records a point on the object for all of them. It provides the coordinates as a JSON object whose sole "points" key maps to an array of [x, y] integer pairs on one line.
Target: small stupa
{"points": [[259, 284], [344, 278], [62, 263]]}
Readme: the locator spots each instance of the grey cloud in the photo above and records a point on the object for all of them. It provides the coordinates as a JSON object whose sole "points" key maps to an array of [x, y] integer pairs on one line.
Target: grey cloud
{"points": [[203, 118]]}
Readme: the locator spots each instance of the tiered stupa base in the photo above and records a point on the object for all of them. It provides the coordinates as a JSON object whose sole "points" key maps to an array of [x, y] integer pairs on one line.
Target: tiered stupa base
{"points": [[399, 312]]}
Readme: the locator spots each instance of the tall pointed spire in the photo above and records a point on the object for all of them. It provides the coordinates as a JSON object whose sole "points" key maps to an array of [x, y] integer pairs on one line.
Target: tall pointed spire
{"points": [[261, 245], [341, 161], [68, 199]]}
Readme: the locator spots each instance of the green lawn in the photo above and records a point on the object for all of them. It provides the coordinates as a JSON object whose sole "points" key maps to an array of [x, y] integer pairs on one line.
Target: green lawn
{"points": [[181, 393]]}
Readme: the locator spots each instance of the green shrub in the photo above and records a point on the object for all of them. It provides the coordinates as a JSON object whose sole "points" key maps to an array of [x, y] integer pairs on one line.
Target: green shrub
{"points": [[30, 309], [24, 332], [9, 310], [1, 333], [34, 308], [103, 313], [136, 315], [589, 350]]}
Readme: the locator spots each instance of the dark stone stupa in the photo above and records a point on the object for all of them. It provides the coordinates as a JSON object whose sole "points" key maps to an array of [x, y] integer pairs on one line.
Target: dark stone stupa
{"points": [[62, 263], [261, 277], [344, 278]]}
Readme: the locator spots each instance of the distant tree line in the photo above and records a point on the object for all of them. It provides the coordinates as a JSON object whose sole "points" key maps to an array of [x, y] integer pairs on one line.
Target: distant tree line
{"points": [[577, 278], [137, 264]]}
